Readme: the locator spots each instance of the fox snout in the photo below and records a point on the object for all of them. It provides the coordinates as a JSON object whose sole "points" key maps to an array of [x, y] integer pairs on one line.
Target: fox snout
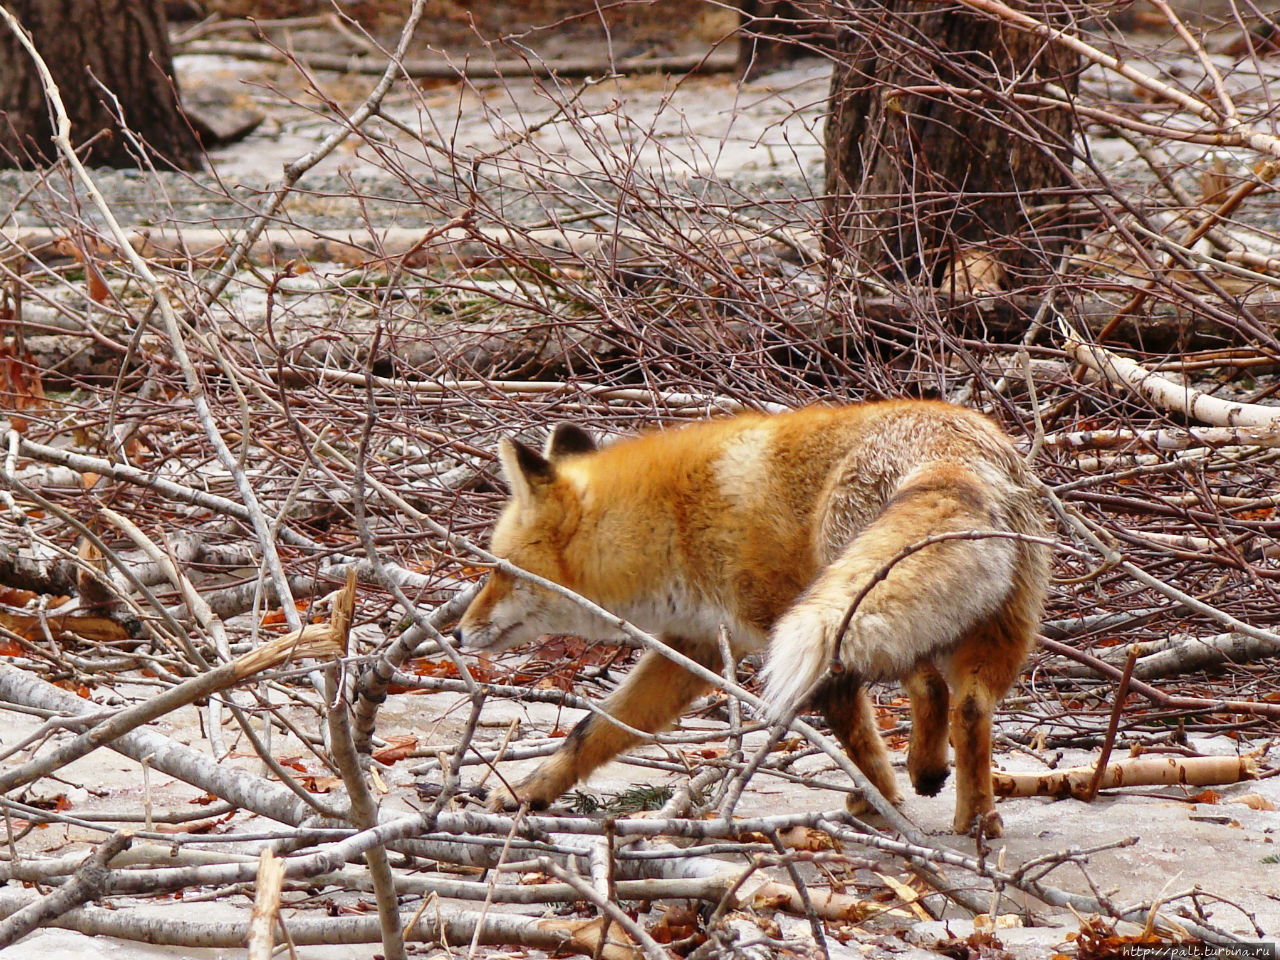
{"points": [[476, 630], [474, 637], [498, 617]]}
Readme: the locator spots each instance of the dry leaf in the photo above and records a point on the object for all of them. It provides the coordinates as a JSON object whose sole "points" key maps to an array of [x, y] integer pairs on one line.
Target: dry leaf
{"points": [[1254, 801], [974, 271], [1004, 921], [20, 384], [807, 838], [907, 894], [397, 748], [322, 784], [676, 923]]}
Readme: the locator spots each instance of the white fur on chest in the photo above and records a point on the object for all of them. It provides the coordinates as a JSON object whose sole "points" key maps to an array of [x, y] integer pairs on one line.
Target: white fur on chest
{"points": [[678, 612]]}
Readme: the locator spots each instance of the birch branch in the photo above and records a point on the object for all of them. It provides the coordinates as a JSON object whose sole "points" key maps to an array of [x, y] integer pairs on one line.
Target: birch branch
{"points": [[314, 640], [266, 907], [86, 884], [160, 297], [1164, 438], [550, 934], [1170, 395], [364, 809], [443, 68], [1178, 655], [1084, 532], [1139, 772]]}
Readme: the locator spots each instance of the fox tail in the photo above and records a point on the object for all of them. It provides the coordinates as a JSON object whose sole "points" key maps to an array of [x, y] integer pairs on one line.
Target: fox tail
{"points": [[935, 563]]}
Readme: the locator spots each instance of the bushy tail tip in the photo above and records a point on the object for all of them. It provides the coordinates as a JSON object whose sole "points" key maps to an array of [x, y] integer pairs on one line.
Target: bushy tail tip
{"points": [[798, 656]]}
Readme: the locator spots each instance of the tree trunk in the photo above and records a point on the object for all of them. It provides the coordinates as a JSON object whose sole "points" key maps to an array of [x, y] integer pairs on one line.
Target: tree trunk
{"points": [[108, 57], [773, 33], [930, 160]]}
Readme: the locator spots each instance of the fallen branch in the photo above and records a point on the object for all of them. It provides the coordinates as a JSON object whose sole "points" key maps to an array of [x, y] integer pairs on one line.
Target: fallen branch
{"points": [[434, 926], [1165, 438], [38, 576], [313, 640], [1083, 531], [639, 944], [86, 884], [363, 808], [471, 68], [427, 587], [1172, 656], [160, 297], [1170, 395], [266, 906], [1157, 696], [711, 879], [100, 628], [1113, 724], [1138, 772]]}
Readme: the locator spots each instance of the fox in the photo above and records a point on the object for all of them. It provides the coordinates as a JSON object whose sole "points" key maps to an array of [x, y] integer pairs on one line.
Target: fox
{"points": [[861, 543]]}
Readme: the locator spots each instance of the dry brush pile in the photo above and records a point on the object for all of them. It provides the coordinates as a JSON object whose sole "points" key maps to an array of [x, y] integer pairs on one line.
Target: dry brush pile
{"points": [[248, 470]]}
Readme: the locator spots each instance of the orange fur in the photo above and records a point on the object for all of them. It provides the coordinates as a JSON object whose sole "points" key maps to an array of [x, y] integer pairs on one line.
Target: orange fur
{"points": [[772, 526]]}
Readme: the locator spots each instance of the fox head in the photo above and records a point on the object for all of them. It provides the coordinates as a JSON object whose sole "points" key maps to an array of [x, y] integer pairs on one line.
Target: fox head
{"points": [[533, 533]]}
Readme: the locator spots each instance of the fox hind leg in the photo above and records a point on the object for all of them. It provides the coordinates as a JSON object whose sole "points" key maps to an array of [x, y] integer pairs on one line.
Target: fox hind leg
{"points": [[927, 762], [843, 700], [983, 668], [652, 696]]}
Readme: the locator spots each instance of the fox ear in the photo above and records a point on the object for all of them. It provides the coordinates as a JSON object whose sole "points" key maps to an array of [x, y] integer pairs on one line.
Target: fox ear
{"points": [[525, 469], [566, 440]]}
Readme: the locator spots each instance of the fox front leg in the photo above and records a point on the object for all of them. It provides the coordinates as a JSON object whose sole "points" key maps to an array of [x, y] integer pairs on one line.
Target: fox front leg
{"points": [[653, 696]]}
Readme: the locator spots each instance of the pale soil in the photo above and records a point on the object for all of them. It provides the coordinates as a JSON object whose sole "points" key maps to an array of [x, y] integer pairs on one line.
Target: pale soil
{"points": [[1226, 849]]}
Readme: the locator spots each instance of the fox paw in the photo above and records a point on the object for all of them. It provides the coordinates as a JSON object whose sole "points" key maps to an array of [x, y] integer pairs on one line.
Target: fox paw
{"points": [[927, 783], [990, 823], [500, 800], [858, 805], [503, 800]]}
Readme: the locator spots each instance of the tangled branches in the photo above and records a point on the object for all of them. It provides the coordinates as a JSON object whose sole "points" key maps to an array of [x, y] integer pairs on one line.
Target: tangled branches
{"points": [[214, 424]]}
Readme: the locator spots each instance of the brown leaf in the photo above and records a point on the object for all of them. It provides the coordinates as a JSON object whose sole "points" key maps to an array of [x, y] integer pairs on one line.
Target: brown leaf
{"points": [[1254, 801], [398, 748], [322, 784], [79, 689], [975, 271], [807, 838], [195, 826], [20, 384], [98, 289], [676, 923], [703, 753], [58, 801], [433, 668]]}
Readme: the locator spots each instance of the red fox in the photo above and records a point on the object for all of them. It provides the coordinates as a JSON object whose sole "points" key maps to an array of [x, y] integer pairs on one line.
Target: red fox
{"points": [[772, 526]]}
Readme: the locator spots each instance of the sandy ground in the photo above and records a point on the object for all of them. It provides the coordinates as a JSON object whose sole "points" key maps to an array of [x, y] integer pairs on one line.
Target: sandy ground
{"points": [[1227, 850], [698, 125]]}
